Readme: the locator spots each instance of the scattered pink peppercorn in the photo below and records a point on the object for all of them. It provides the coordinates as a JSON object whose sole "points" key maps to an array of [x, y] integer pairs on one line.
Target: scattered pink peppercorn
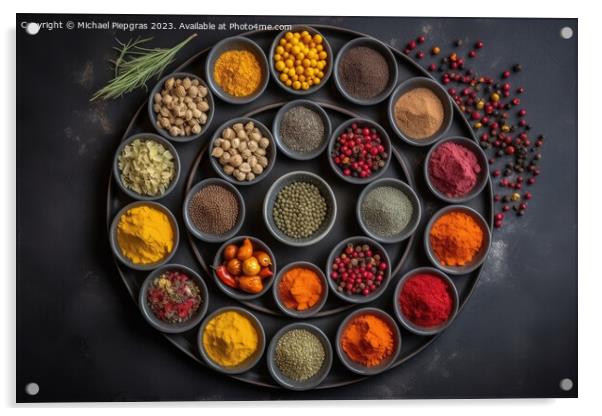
{"points": [[421, 39], [479, 44], [505, 74]]}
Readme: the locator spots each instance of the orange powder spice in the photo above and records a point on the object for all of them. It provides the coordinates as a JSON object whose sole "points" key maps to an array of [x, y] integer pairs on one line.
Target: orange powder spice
{"points": [[300, 288], [368, 340], [456, 238]]}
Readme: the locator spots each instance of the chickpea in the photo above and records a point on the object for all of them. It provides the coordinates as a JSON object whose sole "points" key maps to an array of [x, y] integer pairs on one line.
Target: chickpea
{"points": [[217, 152], [257, 169], [264, 143], [228, 133]]}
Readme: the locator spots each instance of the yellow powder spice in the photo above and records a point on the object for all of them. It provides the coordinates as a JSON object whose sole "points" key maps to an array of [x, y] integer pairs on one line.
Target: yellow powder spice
{"points": [[230, 339], [238, 73], [145, 235]]}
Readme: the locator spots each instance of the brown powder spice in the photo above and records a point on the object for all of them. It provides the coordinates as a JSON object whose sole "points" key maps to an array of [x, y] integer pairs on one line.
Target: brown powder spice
{"points": [[214, 210], [419, 113]]}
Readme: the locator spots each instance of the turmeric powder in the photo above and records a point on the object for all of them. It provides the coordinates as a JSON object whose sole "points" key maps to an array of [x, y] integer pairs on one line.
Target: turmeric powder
{"points": [[145, 235], [238, 73], [368, 340], [300, 288], [230, 339], [456, 238]]}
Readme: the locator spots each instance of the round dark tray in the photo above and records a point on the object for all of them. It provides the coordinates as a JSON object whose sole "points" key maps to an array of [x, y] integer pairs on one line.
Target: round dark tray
{"points": [[406, 165]]}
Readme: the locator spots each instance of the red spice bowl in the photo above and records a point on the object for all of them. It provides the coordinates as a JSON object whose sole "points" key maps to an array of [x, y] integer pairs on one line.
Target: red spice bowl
{"points": [[359, 151], [374, 279], [387, 360], [171, 316], [425, 301], [456, 169]]}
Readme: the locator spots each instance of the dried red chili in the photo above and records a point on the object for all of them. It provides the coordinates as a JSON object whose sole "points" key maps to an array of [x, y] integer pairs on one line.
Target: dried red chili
{"points": [[174, 297]]}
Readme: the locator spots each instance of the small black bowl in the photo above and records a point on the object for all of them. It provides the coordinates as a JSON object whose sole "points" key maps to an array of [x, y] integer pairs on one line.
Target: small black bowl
{"points": [[357, 367], [358, 299], [409, 325], [165, 326], [329, 65], [340, 130], [386, 53], [439, 91], [482, 177], [164, 143], [153, 116], [308, 312], [236, 43], [238, 294], [270, 153]]}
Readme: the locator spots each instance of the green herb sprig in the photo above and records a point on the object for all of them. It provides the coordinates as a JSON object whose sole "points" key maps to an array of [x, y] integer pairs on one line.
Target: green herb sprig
{"points": [[136, 65]]}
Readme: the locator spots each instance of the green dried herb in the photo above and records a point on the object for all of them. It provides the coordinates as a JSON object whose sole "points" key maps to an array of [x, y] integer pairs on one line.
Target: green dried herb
{"points": [[136, 65]]}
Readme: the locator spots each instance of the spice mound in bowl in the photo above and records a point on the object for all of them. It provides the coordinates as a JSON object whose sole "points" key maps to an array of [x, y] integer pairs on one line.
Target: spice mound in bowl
{"points": [[299, 356], [144, 235], [214, 210], [388, 210], [457, 239], [358, 270], [301, 61], [237, 70], [173, 298], [425, 301], [182, 107], [368, 341], [455, 170], [359, 151], [147, 167], [300, 289], [244, 268], [302, 129], [231, 340], [242, 152], [366, 71], [420, 111]]}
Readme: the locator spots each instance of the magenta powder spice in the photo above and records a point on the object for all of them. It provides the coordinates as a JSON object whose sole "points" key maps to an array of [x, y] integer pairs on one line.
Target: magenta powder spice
{"points": [[453, 169]]}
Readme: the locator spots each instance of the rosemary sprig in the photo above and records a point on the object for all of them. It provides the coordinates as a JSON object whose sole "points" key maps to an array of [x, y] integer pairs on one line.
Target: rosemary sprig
{"points": [[136, 65]]}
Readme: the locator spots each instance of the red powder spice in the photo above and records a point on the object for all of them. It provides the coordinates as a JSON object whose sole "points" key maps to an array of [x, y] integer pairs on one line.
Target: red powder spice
{"points": [[453, 169], [426, 300]]}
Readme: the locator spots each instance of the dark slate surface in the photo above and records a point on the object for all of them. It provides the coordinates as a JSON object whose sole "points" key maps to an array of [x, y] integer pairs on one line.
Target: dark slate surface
{"points": [[81, 338]]}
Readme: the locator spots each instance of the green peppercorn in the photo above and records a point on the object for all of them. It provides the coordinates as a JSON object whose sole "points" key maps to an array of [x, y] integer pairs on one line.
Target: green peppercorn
{"points": [[299, 210]]}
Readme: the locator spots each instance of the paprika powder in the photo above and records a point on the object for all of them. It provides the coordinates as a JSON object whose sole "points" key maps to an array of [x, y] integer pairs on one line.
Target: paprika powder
{"points": [[426, 300], [368, 340]]}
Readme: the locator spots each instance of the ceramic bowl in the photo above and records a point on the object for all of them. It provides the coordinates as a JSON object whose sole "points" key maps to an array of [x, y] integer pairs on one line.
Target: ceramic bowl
{"points": [[293, 154], [482, 176], [238, 294], [239, 43], [176, 327], [271, 151], [411, 326], [293, 312], [115, 244], [360, 368], [117, 171], [153, 116], [385, 141], [251, 361], [409, 229], [276, 75], [325, 191], [313, 381], [479, 257], [386, 53], [422, 82], [337, 250], [211, 238]]}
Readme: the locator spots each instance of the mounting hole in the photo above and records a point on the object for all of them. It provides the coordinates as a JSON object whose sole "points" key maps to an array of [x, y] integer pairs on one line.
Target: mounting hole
{"points": [[566, 384], [32, 389], [566, 33]]}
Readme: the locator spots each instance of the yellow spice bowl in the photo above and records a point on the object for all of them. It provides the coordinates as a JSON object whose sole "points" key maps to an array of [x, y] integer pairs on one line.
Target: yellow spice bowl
{"points": [[249, 362]]}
